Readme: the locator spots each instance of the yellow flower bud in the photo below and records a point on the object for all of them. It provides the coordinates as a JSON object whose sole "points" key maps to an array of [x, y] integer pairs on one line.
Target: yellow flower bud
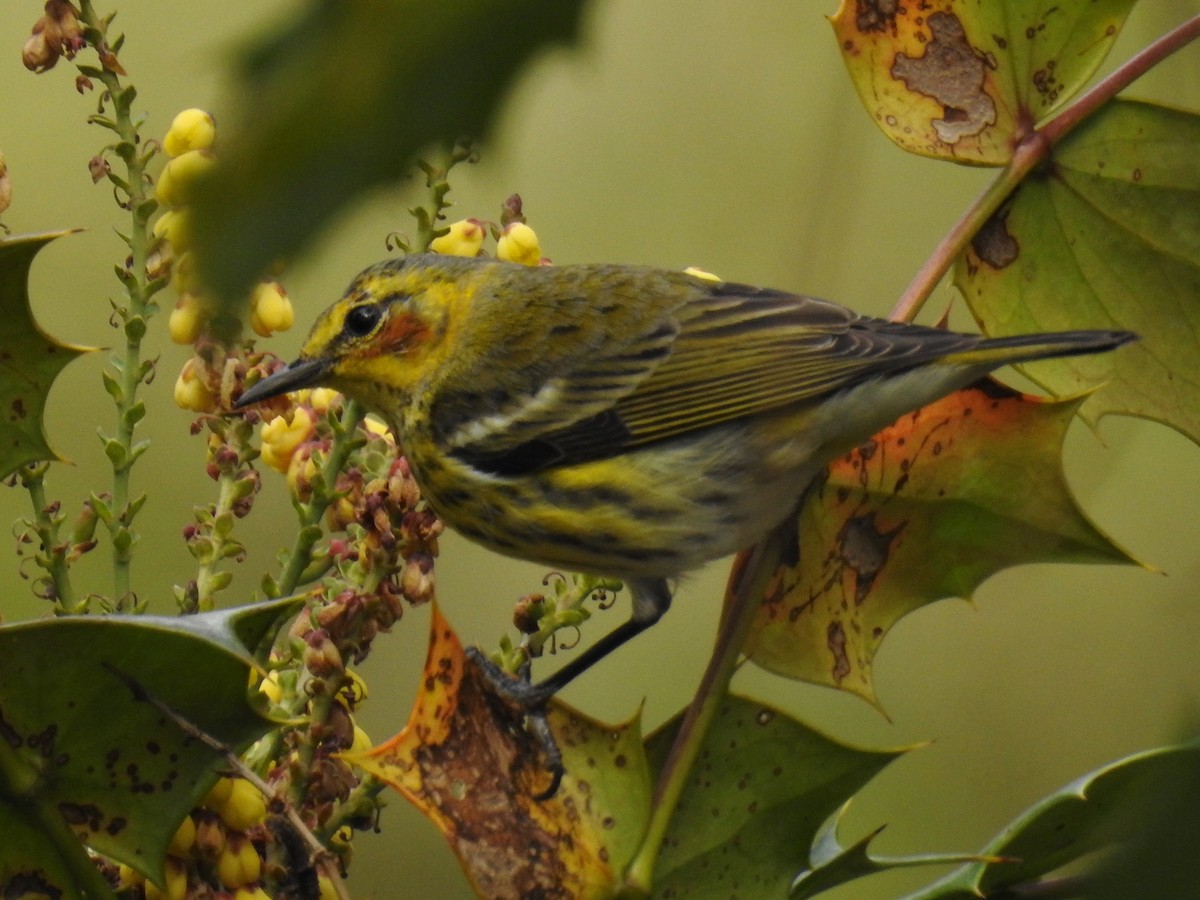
{"points": [[175, 887], [180, 175], [700, 273], [128, 877], [323, 398], [270, 309], [362, 741], [327, 890], [184, 837], [244, 808], [519, 244], [270, 686], [218, 794], [375, 426], [256, 893], [192, 129], [191, 392], [465, 238], [239, 863], [187, 319], [183, 274], [281, 437], [174, 226]]}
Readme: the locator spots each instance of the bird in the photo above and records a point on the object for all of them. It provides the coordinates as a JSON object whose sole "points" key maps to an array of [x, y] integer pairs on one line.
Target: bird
{"points": [[625, 421]]}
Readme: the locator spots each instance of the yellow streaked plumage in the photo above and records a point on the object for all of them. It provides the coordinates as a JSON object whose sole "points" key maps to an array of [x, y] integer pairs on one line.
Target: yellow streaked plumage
{"points": [[620, 420]]}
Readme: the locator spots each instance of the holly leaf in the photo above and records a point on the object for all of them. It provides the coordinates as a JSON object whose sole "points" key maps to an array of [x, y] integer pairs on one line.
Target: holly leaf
{"points": [[467, 762], [965, 80], [1107, 235], [30, 359], [343, 100], [1105, 810], [86, 759], [928, 508], [761, 788]]}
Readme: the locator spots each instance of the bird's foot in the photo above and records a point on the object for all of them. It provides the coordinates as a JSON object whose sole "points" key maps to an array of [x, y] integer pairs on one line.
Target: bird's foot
{"points": [[532, 699]]}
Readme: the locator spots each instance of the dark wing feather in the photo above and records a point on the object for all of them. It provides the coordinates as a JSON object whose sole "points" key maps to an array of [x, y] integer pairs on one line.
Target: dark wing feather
{"points": [[729, 351]]}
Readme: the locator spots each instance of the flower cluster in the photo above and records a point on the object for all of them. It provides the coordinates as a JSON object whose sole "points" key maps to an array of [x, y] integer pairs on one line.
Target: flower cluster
{"points": [[189, 144], [515, 240], [56, 34]]}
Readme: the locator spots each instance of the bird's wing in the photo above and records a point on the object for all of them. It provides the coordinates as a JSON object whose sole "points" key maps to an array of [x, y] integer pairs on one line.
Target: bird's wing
{"points": [[729, 352]]}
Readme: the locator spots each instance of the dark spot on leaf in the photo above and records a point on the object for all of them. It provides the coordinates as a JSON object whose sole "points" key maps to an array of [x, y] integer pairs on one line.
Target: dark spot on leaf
{"points": [[87, 815], [18, 409], [116, 825], [835, 639], [993, 244], [875, 15], [153, 747]]}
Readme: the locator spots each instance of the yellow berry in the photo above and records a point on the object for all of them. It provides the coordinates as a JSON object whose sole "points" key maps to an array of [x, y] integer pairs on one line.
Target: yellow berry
{"points": [[271, 310], [281, 437], [244, 808], [465, 238], [174, 227], [192, 129], [187, 319], [519, 244], [180, 175], [184, 837], [700, 273], [191, 393]]}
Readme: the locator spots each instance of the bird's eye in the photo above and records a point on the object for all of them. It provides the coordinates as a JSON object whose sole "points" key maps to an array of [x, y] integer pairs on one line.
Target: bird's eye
{"points": [[361, 320]]}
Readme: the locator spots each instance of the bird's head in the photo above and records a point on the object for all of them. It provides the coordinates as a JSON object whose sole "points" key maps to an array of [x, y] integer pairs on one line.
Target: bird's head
{"points": [[390, 333]]}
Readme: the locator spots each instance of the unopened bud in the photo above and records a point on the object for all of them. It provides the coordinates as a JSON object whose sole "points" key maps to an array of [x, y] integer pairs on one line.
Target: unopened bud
{"points": [[192, 129], [271, 310], [519, 244], [464, 238]]}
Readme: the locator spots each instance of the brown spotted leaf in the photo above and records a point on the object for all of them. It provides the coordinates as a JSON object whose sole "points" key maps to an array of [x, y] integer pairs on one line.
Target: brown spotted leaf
{"points": [[466, 761], [30, 359], [85, 759], [929, 508], [961, 79], [1106, 236]]}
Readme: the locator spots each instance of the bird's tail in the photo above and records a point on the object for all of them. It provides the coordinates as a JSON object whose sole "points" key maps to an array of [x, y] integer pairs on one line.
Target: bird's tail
{"points": [[1021, 348]]}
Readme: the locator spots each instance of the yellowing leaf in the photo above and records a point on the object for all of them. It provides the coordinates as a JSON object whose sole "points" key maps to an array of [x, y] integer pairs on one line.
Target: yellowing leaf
{"points": [[466, 761], [30, 359], [961, 80], [1108, 236], [928, 508]]}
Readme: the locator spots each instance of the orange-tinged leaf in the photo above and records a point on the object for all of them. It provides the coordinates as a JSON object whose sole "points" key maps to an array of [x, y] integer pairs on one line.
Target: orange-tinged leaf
{"points": [[30, 359], [960, 79], [466, 761], [928, 508]]}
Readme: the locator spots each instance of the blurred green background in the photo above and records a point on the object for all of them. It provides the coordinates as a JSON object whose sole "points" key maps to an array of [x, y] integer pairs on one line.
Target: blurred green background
{"points": [[680, 133]]}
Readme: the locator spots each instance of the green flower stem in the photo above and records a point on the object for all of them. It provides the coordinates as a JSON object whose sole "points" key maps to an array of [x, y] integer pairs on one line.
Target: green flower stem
{"points": [[345, 441], [746, 589], [1031, 149], [131, 369], [54, 559], [209, 578]]}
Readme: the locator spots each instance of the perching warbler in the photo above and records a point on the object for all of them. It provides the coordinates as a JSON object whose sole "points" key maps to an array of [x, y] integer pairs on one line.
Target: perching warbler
{"points": [[625, 421]]}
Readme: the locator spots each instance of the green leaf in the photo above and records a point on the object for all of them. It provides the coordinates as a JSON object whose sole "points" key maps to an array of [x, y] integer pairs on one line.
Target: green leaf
{"points": [[30, 359], [964, 80], [344, 100], [1102, 810], [761, 788], [926, 509], [1107, 235], [84, 756]]}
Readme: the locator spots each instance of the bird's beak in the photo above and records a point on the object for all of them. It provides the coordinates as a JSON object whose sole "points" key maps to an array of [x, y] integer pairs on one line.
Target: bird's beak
{"points": [[302, 373]]}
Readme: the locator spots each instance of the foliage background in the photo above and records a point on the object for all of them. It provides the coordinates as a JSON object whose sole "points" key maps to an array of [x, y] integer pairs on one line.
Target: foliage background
{"points": [[681, 133]]}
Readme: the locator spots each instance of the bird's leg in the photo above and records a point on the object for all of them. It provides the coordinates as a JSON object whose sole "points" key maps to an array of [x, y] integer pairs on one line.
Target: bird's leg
{"points": [[651, 599]]}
